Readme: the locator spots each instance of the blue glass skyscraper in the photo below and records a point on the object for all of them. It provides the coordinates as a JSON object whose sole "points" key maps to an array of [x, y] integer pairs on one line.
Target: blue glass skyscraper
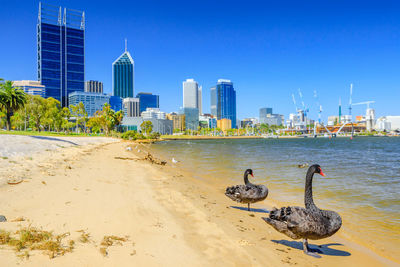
{"points": [[61, 51], [226, 101], [123, 75], [148, 100]]}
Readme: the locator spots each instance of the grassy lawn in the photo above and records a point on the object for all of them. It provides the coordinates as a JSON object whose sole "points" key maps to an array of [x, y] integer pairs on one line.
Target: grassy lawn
{"points": [[44, 133]]}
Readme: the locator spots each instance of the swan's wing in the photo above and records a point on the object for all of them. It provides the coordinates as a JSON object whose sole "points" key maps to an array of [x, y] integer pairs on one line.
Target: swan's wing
{"points": [[242, 193], [307, 223]]}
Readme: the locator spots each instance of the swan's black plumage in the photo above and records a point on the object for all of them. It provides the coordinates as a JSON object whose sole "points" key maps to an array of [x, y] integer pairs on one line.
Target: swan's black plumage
{"points": [[309, 222], [247, 193]]}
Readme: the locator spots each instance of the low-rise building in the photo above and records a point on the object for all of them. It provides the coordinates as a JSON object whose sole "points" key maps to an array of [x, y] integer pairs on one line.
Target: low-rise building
{"points": [[161, 126], [31, 87], [91, 101], [178, 120], [248, 122], [153, 113], [224, 124]]}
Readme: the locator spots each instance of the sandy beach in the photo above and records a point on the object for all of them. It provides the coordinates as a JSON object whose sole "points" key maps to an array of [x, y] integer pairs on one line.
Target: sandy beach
{"points": [[165, 216]]}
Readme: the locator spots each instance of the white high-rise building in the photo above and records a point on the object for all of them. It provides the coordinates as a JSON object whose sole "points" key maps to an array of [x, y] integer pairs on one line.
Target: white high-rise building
{"points": [[200, 99], [190, 94]]}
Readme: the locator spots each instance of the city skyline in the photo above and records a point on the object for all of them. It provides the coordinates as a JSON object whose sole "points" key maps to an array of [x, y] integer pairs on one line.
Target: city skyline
{"points": [[354, 48]]}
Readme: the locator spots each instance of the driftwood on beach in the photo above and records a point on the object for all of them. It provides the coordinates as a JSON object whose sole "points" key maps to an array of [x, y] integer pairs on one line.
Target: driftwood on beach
{"points": [[148, 157]]}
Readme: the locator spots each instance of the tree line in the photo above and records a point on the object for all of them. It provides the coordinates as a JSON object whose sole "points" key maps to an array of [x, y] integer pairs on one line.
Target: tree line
{"points": [[21, 111]]}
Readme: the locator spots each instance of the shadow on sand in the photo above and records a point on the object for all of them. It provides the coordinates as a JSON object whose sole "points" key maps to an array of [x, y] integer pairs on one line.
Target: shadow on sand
{"points": [[325, 249], [251, 209], [52, 139]]}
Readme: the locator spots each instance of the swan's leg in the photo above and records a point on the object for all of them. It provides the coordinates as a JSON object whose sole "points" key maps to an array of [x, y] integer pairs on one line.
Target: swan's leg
{"points": [[248, 206], [307, 250]]}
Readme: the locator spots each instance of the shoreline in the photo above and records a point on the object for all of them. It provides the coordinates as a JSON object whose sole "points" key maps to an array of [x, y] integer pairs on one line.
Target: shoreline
{"points": [[198, 137], [170, 216]]}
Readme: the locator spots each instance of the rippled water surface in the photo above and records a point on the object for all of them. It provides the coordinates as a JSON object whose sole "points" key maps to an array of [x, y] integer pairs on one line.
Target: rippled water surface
{"points": [[362, 175]]}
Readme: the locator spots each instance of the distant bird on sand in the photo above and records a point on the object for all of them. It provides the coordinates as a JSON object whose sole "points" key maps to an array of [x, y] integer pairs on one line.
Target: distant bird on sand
{"points": [[174, 160], [128, 148], [138, 150], [247, 193], [302, 165], [307, 223]]}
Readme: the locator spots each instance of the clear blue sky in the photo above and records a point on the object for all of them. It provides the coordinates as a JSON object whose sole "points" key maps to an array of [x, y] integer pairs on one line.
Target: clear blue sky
{"points": [[268, 49]]}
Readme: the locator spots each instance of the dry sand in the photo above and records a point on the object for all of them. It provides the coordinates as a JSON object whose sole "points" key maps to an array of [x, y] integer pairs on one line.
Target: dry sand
{"points": [[170, 218]]}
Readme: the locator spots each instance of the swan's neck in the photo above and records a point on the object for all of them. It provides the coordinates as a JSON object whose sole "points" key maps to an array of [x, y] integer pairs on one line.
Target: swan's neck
{"points": [[308, 195], [246, 179]]}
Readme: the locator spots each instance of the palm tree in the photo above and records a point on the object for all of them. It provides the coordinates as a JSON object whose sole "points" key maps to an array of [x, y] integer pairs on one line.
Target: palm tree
{"points": [[11, 100]]}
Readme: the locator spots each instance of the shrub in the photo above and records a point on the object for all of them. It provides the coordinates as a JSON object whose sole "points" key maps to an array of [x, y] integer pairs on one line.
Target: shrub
{"points": [[130, 135], [154, 135]]}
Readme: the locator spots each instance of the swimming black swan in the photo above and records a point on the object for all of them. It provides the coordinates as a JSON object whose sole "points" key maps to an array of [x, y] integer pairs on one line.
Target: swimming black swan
{"points": [[307, 223], [247, 193]]}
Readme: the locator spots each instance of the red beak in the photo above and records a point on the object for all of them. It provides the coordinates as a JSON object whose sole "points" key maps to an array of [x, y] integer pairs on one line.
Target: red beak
{"points": [[252, 175], [320, 172]]}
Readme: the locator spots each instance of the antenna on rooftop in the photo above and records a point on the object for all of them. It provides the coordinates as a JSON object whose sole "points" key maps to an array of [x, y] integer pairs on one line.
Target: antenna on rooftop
{"points": [[126, 45]]}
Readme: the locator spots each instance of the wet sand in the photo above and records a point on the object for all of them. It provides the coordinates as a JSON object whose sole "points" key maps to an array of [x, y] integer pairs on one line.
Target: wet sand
{"points": [[168, 217]]}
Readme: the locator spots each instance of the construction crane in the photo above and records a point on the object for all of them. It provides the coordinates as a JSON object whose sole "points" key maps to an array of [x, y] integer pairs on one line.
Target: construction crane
{"points": [[364, 103], [294, 102], [302, 103]]}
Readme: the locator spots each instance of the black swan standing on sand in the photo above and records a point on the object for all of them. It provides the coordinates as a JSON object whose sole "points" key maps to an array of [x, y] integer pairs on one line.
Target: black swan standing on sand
{"points": [[247, 193], [307, 223]]}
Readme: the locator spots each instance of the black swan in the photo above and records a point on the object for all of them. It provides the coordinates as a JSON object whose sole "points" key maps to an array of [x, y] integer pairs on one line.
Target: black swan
{"points": [[247, 193], [307, 223]]}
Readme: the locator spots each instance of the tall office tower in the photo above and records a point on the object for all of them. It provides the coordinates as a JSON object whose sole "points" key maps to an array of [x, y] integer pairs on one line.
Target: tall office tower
{"points": [[190, 94], [148, 100], [123, 75], [94, 87], [226, 101], [213, 93], [263, 114], [61, 51], [200, 100]]}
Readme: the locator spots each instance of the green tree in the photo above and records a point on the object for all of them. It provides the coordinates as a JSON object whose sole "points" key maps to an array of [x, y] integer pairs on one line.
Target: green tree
{"points": [[96, 122], [52, 114], [147, 127], [78, 111], [110, 118], [36, 108], [65, 123], [11, 100], [18, 119]]}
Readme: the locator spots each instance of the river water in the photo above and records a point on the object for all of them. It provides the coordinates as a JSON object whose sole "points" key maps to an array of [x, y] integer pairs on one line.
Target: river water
{"points": [[362, 180]]}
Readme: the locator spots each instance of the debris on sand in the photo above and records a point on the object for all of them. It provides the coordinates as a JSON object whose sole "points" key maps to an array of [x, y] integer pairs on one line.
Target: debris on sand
{"points": [[14, 181], [154, 160], [110, 240]]}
